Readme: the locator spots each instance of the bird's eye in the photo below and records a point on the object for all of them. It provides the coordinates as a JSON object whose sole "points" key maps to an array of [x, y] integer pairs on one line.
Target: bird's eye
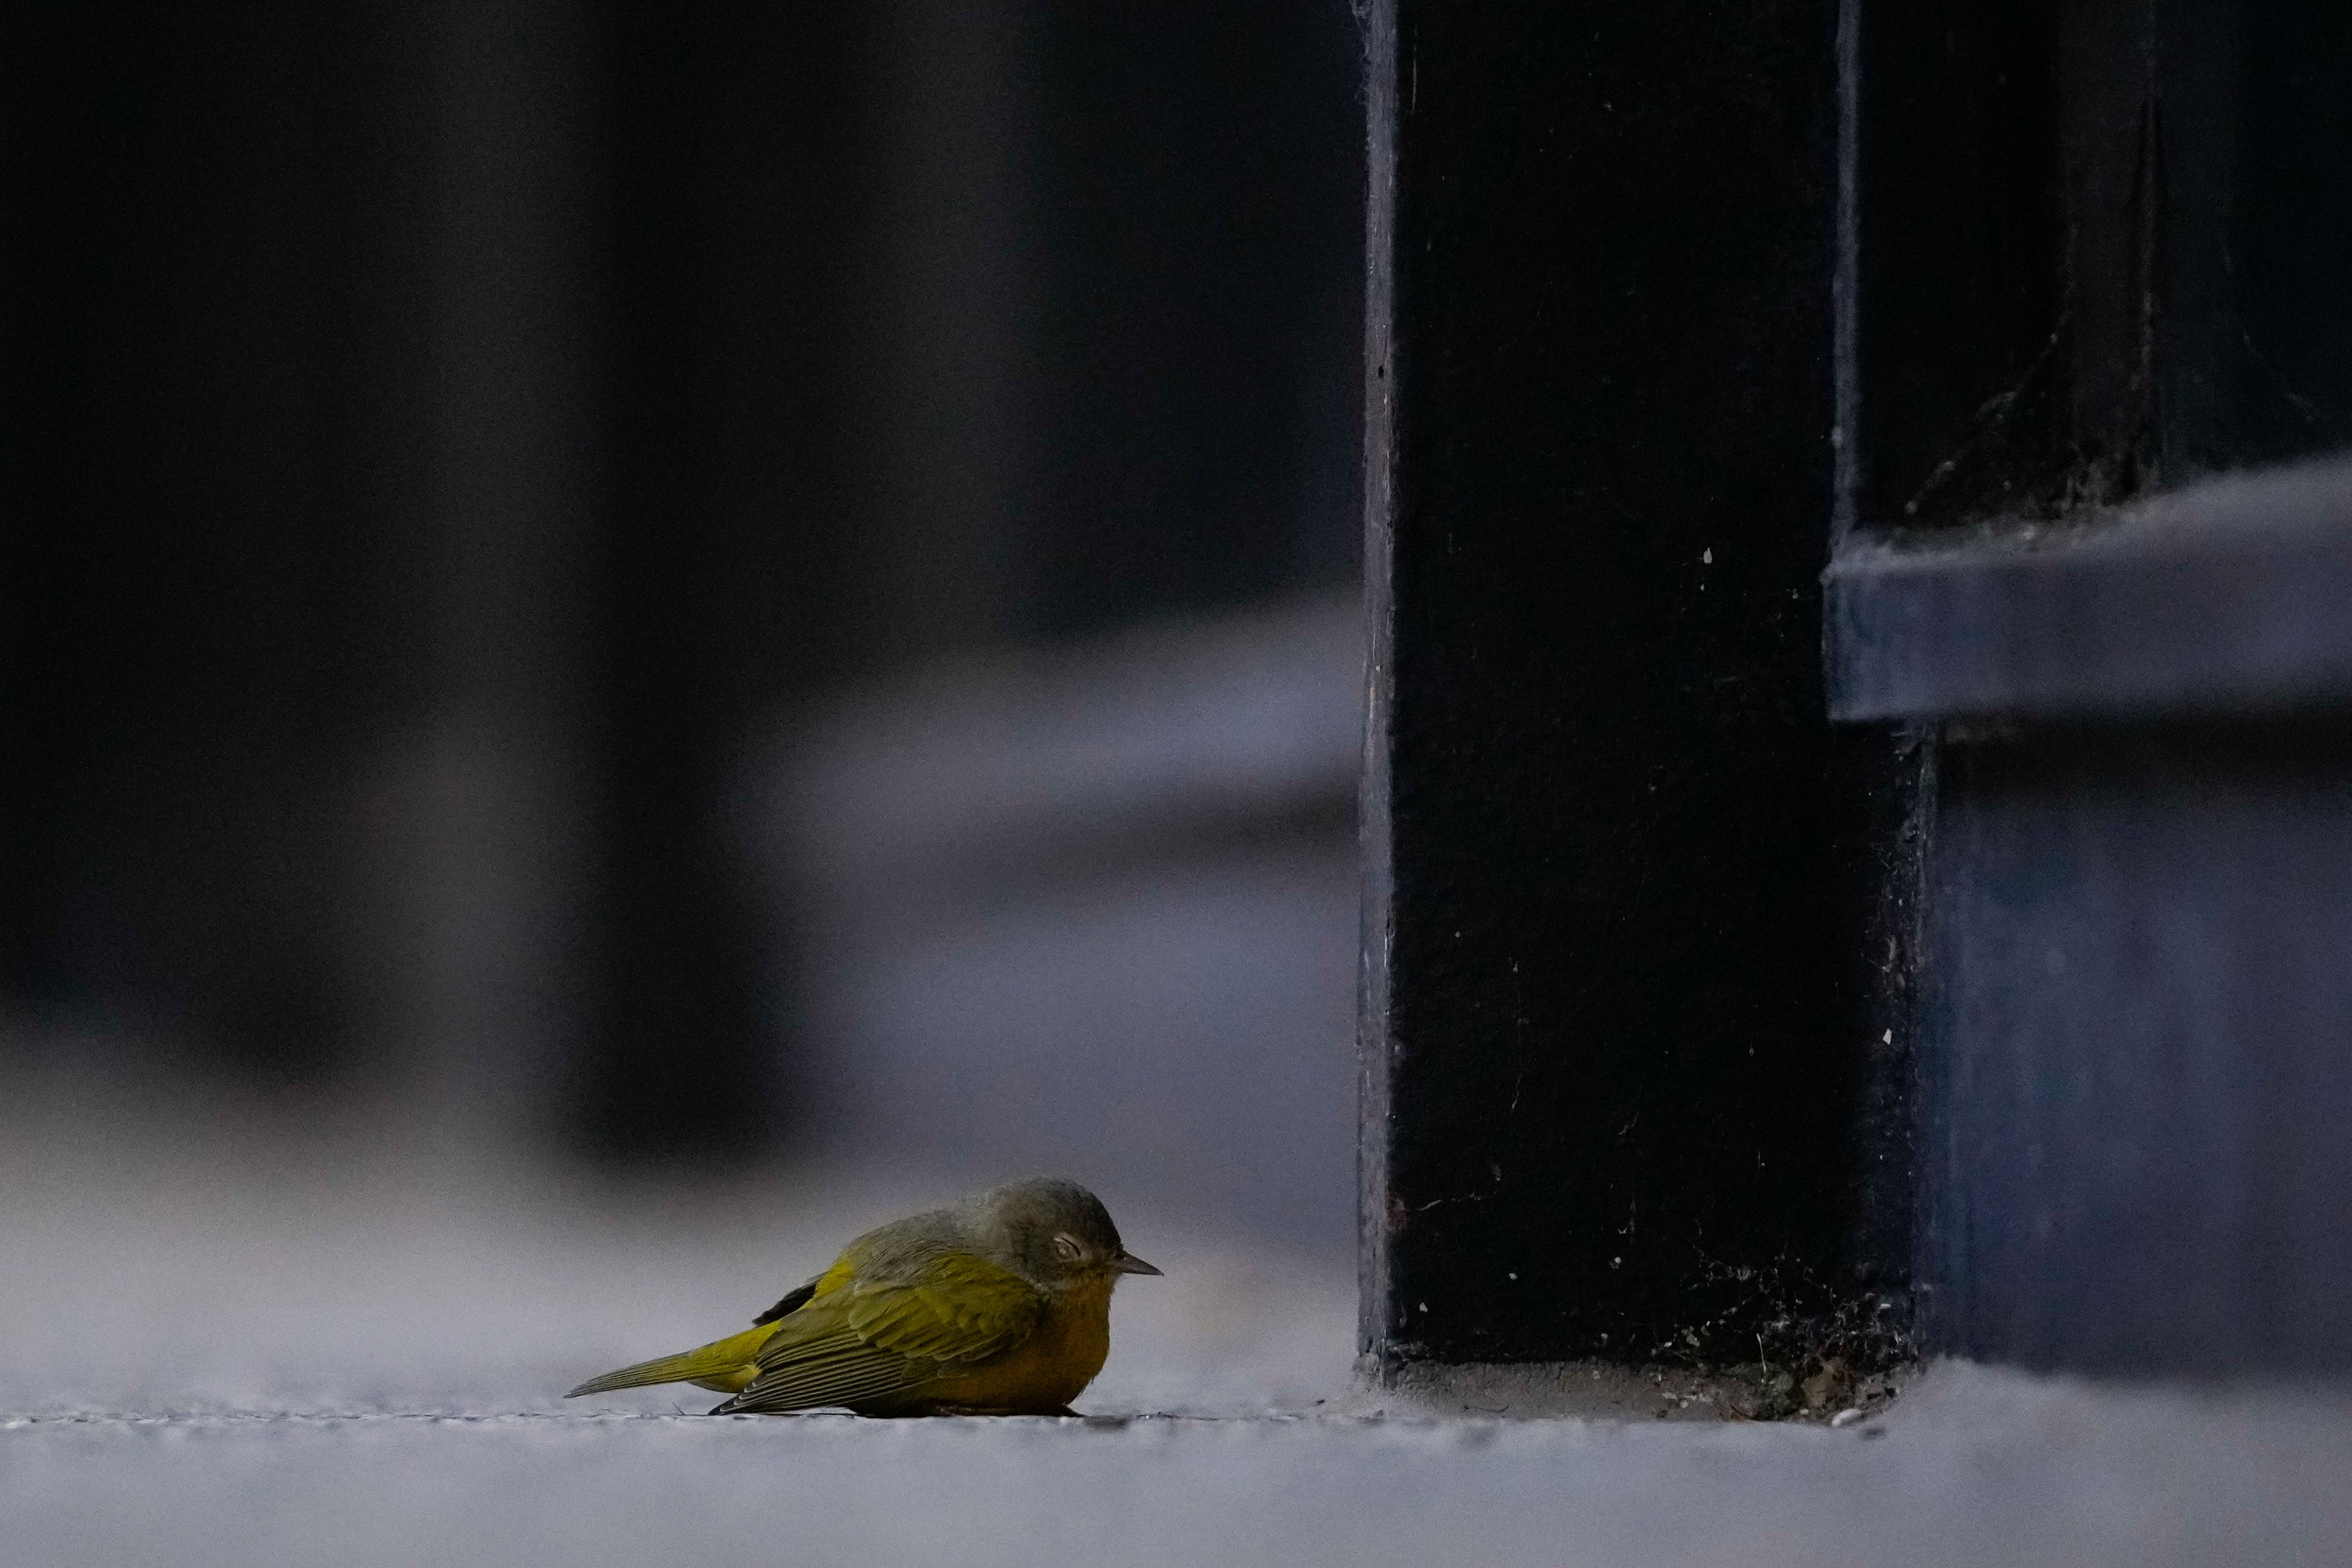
{"points": [[1066, 1248]]}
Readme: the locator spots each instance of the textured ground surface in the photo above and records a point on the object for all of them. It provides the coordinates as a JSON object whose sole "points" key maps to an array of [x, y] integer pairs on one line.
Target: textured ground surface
{"points": [[1976, 1468], [207, 1361]]}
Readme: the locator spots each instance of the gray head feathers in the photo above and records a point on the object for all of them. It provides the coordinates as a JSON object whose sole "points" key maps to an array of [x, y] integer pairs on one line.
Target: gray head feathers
{"points": [[1051, 1230]]}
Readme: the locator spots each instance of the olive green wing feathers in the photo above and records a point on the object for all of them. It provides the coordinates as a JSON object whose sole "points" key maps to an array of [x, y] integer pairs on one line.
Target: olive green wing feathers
{"points": [[872, 1342]]}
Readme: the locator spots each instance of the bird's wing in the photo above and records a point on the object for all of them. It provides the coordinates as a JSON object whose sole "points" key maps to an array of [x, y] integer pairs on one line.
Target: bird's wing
{"points": [[869, 1339]]}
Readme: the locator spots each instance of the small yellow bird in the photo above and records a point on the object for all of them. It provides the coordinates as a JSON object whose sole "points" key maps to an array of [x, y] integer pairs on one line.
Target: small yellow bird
{"points": [[1000, 1306]]}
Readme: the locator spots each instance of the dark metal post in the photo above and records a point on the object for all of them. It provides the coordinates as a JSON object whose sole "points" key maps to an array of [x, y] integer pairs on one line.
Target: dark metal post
{"points": [[1619, 870]]}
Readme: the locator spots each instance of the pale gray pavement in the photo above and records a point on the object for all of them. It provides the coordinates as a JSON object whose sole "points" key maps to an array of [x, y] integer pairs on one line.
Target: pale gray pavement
{"points": [[204, 1360], [1976, 1468]]}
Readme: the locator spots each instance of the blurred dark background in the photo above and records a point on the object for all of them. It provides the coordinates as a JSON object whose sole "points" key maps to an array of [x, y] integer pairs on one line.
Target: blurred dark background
{"points": [[465, 463]]}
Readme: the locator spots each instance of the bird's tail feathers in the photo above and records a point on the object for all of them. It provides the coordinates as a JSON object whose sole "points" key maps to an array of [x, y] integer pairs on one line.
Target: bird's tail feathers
{"points": [[721, 1357]]}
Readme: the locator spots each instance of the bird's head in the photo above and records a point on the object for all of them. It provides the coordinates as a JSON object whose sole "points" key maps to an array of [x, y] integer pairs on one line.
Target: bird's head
{"points": [[1056, 1231]]}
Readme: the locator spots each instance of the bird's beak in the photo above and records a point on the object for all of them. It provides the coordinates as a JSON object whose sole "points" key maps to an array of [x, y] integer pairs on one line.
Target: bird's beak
{"points": [[1129, 1263]]}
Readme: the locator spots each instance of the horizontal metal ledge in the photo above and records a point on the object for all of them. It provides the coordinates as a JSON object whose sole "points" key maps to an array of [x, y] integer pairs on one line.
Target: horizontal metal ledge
{"points": [[2230, 596]]}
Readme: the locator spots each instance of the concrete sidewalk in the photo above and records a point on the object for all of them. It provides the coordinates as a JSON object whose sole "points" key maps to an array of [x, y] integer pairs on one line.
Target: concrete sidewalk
{"points": [[1970, 1465], [361, 1363]]}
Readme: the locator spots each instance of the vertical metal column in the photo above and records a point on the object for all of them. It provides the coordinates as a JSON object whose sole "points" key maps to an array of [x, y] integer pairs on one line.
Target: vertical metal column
{"points": [[1619, 871]]}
